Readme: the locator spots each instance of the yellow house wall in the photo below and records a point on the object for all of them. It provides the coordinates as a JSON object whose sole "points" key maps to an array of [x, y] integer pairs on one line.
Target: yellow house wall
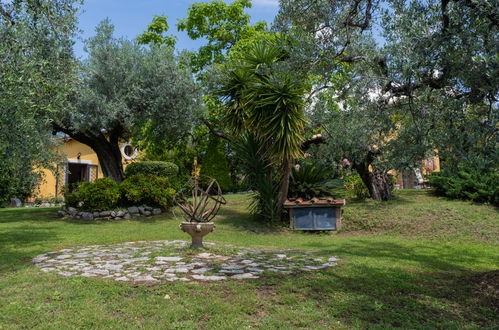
{"points": [[428, 166], [69, 149]]}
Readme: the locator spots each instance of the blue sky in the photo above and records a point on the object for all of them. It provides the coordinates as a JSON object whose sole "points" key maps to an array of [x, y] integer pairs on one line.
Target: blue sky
{"points": [[131, 17]]}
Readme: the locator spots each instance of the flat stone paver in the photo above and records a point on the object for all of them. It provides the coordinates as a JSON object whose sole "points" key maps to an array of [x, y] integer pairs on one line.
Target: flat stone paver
{"points": [[165, 261]]}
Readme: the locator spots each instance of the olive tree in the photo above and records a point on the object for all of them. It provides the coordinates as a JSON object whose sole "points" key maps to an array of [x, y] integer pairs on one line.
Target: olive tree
{"points": [[37, 73], [127, 91], [423, 76]]}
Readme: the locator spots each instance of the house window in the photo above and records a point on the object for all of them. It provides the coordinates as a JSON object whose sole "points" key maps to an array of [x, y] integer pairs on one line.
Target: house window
{"points": [[79, 172], [128, 150]]}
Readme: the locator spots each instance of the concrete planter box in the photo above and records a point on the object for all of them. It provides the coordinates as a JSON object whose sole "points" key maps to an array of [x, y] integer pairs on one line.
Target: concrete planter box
{"points": [[315, 214]]}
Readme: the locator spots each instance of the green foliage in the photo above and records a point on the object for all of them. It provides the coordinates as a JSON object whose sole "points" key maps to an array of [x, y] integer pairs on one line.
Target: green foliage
{"points": [[263, 97], [214, 164], [105, 194], [310, 180], [249, 153], [133, 92], [100, 195], [150, 190], [355, 187], [258, 176], [155, 33], [37, 73], [476, 180], [266, 203], [431, 84], [155, 168], [221, 24], [264, 104], [19, 181]]}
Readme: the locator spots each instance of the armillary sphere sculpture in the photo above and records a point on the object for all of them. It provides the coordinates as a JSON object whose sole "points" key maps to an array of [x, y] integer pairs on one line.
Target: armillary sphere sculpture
{"points": [[200, 201]]}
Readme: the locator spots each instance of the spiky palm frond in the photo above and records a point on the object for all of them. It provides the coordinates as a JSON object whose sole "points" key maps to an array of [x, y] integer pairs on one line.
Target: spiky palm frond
{"points": [[276, 111], [264, 98], [251, 154], [232, 93], [266, 204], [263, 53]]}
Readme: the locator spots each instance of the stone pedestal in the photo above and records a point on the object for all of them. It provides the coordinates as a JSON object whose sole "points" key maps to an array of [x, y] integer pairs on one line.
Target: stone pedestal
{"points": [[197, 230], [15, 202]]}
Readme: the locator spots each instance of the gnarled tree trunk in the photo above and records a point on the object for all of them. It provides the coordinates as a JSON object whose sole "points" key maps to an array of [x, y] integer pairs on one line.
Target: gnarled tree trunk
{"points": [[377, 182], [110, 160], [105, 146]]}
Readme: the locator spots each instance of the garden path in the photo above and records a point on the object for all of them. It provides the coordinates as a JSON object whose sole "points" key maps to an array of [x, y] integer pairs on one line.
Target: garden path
{"points": [[159, 261]]}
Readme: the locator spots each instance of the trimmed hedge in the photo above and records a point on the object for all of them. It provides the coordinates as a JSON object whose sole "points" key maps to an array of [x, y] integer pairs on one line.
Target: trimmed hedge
{"points": [[106, 194], [148, 190], [157, 168]]}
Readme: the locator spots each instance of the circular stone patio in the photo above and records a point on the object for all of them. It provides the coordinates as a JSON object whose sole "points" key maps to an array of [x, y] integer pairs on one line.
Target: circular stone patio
{"points": [[159, 261]]}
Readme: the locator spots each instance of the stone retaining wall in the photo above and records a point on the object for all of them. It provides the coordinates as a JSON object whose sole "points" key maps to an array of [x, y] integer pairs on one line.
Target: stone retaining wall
{"points": [[131, 212]]}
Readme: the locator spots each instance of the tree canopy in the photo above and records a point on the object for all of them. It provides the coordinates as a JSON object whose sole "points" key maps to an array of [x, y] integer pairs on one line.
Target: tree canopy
{"points": [[126, 92], [221, 24], [37, 72], [263, 98], [422, 77]]}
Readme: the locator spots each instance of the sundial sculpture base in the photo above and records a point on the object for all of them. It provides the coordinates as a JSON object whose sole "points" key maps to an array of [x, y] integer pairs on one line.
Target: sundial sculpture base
{"points": [[197, 232], [200, 207]]}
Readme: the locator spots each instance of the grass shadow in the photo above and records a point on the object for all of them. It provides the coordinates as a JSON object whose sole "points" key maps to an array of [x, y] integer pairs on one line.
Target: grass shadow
{"points": [[21, 243], [398, 285], [439, 257], [387, 298]]}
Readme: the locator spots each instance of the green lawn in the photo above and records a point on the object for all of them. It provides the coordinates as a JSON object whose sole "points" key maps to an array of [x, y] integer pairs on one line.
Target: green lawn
{"points": [[416, 262]]}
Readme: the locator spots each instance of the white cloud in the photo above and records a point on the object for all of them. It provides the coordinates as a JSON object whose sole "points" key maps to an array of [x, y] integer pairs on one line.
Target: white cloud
{"points": [[274, 3]]}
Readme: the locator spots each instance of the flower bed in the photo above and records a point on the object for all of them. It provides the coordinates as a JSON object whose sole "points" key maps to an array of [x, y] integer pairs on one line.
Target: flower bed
{"points": [[131, 212]]}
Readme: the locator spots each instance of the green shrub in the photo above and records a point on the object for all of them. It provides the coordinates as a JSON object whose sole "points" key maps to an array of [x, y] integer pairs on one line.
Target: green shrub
{"points": [[148, 190], [355, 187], [156, 168], [475, 180], [100, 195]]}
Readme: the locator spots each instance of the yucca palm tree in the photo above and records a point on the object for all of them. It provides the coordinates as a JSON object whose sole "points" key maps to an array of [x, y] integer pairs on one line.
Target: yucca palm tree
{"points": [[265, 99]]}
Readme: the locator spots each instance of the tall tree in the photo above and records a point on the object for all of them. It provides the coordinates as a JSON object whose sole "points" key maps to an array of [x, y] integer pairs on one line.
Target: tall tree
{"points": [[222, 25], [128, 92], [264, 98], [37, 72]]}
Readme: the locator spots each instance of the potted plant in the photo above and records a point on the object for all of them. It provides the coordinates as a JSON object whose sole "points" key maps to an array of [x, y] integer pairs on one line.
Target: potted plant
{"points": [[200, 202]]}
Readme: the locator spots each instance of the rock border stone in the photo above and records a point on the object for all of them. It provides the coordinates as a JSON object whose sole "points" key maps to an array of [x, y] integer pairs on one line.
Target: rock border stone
{"points": [[128, 213]]}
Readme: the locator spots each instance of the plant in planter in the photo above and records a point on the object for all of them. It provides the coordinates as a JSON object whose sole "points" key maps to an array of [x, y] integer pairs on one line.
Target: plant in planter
{"points": [[200, 201]]}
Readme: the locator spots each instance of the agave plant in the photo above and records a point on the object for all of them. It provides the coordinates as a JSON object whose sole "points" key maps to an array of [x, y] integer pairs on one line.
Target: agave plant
{"points": [[310, 180]]}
